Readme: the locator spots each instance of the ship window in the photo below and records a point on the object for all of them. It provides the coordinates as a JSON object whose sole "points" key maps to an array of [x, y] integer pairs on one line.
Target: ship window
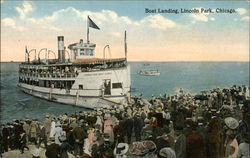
{"points": [[117, 85], [80, 86], [90, 52], [81, 51]]}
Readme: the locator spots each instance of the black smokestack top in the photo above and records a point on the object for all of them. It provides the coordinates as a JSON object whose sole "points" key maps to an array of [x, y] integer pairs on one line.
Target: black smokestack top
{"points": [[61, 53]]}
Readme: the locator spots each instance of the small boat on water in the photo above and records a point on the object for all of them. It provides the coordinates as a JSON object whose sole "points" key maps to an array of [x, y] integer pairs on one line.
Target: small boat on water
{"points": [[146, 64], [149, 72]]}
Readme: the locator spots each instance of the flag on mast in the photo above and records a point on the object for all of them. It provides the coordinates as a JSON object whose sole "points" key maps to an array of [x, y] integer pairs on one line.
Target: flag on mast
{"points": [[92, 24]]}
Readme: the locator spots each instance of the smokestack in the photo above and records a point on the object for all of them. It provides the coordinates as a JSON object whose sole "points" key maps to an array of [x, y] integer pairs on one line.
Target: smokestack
{"points": [[61, 53]]}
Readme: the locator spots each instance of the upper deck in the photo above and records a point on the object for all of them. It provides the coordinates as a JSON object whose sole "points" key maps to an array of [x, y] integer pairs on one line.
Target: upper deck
{"points": [[69, 70]]}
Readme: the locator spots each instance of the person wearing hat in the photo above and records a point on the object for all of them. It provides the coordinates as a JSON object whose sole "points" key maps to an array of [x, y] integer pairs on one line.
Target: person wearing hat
{"points": [[79, 134], [159, 116], [178, 118], [18, 129], [73, 123], [138, 125], [42, 136], [145, 149], [64, 147], [33, 131], [214, 137], [230, 143], [128, 127], [166, 153], [6, 135], [52, 151], [244, 151], [180, 143], [23, 143], [35, 153], [52, 128], [11, 136], [106, 149], [91, 136], [244, 124], [58, 132], [114, 119], [118, 114], [99, 120], [47, 125], [195, 143], [165, 140], [166, 116], [109, 130], [119, 134], [26, 127], [121, 150]]}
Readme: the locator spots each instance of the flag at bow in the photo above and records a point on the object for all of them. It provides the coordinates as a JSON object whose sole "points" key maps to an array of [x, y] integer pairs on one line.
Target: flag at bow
{"points": [[92, 24]]}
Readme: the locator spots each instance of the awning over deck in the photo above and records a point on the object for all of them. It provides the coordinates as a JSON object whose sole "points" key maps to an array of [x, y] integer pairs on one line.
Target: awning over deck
{"points": [[97, 61]]}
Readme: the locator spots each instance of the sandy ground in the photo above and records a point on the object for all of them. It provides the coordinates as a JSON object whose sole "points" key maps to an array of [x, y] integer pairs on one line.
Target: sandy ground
{"points": [[27, 153]]}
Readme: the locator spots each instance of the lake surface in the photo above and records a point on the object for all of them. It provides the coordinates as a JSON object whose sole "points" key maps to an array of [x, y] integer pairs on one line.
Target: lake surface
{"points": [[193, 77]]}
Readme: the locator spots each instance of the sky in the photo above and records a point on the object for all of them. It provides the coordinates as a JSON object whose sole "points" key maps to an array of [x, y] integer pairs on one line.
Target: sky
{"points": [[150, 36]]}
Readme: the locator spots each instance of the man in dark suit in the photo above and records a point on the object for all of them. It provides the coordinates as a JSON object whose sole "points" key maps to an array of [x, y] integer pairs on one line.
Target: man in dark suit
{"points": [[195, 143], [79, 135], [6, 136], [128, 127], [23, 142], [52, 151], [138, 125], [42, 136]]}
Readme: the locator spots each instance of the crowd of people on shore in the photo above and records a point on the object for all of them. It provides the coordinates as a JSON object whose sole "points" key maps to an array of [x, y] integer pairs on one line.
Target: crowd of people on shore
{"points": [[213, 124]]}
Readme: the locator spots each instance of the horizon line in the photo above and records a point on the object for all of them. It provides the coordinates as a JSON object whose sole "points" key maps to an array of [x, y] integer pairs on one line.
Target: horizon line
{"points": [[154, 61]]}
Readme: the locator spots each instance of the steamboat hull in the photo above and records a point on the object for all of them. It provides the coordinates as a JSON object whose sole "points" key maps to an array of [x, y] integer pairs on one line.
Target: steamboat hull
{"points": [[89, 90], [89, 102]]}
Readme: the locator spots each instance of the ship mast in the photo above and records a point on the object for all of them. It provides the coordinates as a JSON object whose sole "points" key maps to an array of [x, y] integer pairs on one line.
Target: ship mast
{"points": [[88, 30], [125, 44]]}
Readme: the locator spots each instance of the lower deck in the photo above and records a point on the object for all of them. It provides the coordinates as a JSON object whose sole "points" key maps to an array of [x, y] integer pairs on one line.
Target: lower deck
{"points": [[77, 99]]}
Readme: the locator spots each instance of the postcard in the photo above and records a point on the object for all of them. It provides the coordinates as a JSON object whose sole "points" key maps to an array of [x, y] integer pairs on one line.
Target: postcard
{"points": [[124, 78]]}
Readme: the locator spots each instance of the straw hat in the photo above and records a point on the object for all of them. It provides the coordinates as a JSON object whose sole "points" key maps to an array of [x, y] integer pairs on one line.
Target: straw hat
{"points": [[99, 113], [117, 111], [91, 130], [167, 152], [58, 124], [231, 122], [142, 148], [158, 110], [121, 107], [35, 152], [121, 149], [213, 110]]}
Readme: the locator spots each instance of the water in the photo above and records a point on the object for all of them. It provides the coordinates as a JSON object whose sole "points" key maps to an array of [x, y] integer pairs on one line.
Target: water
{"points": [[193, 77]]}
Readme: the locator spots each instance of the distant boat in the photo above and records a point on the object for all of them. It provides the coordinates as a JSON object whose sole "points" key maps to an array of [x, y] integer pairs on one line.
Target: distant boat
{"points": [[146, 64], [149, 72]]}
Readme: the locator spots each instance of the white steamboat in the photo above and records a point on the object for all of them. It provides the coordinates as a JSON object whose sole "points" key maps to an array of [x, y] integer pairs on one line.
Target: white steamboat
{"points": [[82, 80]]}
